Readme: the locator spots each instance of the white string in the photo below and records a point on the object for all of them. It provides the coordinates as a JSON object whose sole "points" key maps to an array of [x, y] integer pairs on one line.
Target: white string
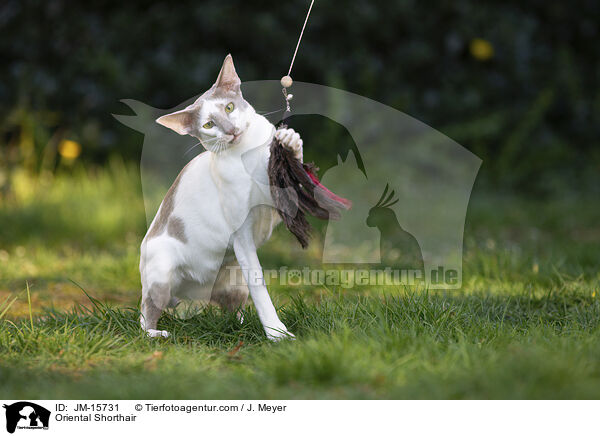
{"points": [[272, 112], [285, 94], [300, 38]]}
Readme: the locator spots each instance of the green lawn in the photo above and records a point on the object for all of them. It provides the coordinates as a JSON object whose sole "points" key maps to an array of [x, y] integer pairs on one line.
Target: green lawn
{"points": [[525, 325]]}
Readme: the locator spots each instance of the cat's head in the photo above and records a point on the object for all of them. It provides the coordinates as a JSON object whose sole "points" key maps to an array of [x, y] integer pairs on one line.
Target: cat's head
{"points": [[219, 117]]}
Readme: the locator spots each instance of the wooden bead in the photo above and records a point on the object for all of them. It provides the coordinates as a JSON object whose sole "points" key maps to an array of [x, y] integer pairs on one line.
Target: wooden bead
{"points": [[286, 81]]}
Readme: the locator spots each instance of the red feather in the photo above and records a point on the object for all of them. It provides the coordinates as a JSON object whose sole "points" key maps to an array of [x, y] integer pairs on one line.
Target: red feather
{"points": [[347, 203]]}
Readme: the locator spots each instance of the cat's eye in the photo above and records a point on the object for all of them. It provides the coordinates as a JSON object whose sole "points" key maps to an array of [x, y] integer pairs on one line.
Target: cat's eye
{"points": [[229, 108], [208, 125]]}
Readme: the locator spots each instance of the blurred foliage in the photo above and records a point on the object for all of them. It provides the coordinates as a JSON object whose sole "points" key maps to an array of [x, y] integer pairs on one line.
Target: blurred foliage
{"points": [[95, 208], [515, 82]]}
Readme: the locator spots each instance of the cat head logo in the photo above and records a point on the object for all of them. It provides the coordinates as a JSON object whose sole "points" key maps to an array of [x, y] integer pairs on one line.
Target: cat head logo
{"points": [[26, 415]]}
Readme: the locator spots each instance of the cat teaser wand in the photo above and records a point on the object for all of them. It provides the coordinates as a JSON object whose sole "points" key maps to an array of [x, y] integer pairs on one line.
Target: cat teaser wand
{"points": [[286, 81], [307, 194]]}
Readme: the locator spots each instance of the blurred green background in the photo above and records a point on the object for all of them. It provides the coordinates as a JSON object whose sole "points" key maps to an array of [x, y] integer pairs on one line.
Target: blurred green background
{"points": [[515, 82]]}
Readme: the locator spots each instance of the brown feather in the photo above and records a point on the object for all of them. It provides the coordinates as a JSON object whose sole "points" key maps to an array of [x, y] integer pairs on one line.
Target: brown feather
{"points": [[305, 196]]}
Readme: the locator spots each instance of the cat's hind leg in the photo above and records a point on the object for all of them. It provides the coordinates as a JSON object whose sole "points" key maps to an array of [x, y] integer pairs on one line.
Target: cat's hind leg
{"points": [[230, 290], [158, 277]]}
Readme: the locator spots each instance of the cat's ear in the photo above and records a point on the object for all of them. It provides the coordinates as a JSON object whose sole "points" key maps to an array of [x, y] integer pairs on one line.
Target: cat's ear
{"points": [[182, 122], [228, 78]]}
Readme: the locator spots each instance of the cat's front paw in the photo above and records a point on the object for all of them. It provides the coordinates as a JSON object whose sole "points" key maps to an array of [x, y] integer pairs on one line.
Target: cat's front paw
{"points": [[279, 333], [157, 333], [291, 140]]}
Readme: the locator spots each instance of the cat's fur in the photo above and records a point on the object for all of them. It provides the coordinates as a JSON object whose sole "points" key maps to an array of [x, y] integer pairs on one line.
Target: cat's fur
{"points": [[215, 215]]}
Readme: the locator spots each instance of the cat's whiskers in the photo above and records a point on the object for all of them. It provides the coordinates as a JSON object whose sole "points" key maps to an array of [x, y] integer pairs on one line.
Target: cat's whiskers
{"points": [[221, 145], [272, 112], [205, 143], [192, 147], [216, 145]]}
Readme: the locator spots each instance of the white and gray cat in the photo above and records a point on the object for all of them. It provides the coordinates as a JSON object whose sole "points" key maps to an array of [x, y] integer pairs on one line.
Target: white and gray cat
{"points": [[215, 215]]}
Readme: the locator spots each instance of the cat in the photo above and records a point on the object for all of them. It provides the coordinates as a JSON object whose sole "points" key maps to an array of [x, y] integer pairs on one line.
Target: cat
{"points": [[204, 237]]}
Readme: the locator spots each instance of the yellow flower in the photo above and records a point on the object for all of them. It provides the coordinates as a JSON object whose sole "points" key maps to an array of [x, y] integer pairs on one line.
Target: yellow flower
{"points": [[69, 149], [593, 294], [481, 49]]}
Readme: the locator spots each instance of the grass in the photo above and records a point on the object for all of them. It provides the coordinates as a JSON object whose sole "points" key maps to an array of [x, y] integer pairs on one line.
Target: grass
{"points": [[525, 325]]}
